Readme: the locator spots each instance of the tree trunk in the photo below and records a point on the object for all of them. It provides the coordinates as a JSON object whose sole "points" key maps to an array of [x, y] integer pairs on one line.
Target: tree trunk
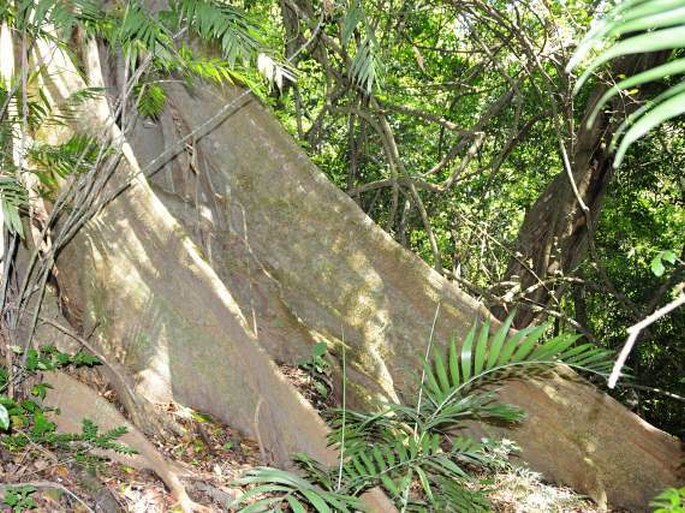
{"points": [[553, 239], [278, 258]]}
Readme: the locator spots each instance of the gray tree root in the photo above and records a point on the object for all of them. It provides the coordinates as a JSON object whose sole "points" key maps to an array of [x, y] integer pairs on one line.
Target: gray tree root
{"points": [[135, 281], [286, 256], [248, 186], [89, 405]]}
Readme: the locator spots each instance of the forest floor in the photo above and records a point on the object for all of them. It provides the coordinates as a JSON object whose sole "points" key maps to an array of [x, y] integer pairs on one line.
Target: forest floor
{"points": [[215, 455]]}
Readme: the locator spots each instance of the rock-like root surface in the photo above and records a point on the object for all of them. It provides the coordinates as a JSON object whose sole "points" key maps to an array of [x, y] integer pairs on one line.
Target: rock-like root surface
{"points": [[189, 323]]}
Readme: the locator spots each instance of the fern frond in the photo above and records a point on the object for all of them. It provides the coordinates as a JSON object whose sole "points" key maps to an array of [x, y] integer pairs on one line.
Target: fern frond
{"points": [[222, 23], [13, 198]]}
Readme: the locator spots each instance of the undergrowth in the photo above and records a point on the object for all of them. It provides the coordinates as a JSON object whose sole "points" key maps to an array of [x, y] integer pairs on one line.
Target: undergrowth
{"points": [[421, 455], [25, 422]]}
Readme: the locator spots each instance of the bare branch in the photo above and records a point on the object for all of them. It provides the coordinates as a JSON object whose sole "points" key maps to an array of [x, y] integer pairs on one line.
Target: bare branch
{"points": [[635, 330]]}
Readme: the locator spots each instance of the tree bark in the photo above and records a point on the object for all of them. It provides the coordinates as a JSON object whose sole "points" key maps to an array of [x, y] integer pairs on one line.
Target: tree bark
{"points": [[279, 257]]}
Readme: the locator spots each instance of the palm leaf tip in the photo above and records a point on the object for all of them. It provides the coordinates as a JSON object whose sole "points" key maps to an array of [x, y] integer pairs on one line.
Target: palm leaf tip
{"points": [[637, 27], [456, 390]]}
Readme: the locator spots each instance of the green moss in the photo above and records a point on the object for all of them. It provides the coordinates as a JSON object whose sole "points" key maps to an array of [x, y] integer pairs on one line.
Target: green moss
{"points": [[143, 342]]}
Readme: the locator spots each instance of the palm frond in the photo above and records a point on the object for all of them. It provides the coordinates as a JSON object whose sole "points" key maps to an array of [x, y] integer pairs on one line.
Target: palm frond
{"points": [[138, 33], [360, 427], [37, 105], [453, 497], [482, 360], [223, 23], [35, 16], [151, 99], [54, 162], [353, 17], [412, 452], [391, 465], [367, 68], [209, 69], [634, 27], [283, 487]]}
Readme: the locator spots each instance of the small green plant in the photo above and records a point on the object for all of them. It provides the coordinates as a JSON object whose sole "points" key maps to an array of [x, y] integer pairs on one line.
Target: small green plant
{"points": [[20, 498], [285, 488], [25, 423], [415, 452], [657, 264], [26, 412], [319, 369], [671, 500]]}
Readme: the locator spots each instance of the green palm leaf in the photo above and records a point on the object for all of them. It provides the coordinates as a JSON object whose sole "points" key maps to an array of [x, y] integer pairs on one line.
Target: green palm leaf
{"points": [[665, 70], [646, 26], [296, 491], [454, 397], [465, 356], [666, 39], [481, 347], [422, 456], [498, 341], [13, 198], [661, 111]]}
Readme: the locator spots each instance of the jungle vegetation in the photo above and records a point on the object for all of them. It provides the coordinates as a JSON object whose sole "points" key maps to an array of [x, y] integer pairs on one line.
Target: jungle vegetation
{"points": [[193, 190]]}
